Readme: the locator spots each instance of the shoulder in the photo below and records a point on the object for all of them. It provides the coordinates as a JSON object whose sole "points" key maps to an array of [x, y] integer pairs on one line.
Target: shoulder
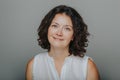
{"points": [[30, 63], [92, 71], [44, 54], [29, 69]]}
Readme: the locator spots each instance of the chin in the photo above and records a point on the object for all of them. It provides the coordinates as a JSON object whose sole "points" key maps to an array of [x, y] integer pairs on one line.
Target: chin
{"points": [[59, 45]]}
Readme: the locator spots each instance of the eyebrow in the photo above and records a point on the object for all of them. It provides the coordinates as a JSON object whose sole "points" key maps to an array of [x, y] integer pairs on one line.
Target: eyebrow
{"points": [[55, 23], [65, 25]]}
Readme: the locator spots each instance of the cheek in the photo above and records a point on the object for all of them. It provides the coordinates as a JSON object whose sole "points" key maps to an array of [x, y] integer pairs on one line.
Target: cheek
{"points": [[69, 36], [51, 31]]}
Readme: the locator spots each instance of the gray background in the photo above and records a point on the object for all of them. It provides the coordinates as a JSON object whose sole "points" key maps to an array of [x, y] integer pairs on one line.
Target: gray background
{"points": [[19, 20]]}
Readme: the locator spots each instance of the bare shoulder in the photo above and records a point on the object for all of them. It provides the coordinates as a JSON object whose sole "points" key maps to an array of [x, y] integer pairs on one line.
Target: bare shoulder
{"points": [[29, 69], [30, 62], [92, 72]]}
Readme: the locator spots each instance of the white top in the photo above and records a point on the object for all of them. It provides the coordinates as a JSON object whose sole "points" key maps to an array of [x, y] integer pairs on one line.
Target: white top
{"points": [[74, 68]]}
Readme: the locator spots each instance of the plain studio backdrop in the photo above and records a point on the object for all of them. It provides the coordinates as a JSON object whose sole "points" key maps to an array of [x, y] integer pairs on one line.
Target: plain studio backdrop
{"points": [[19, 20]]}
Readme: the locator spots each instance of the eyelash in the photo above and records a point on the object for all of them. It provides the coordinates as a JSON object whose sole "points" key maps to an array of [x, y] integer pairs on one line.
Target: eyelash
{"points": [[54, 26], [66, 28]]}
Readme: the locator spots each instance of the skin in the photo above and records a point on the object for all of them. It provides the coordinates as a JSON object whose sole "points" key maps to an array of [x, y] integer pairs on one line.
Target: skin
{"points": [[60, 33], [92, 71], [59, 30], [29, 69]]}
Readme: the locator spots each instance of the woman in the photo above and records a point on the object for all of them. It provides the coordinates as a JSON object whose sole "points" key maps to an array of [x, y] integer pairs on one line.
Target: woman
{"points": [[64, 34]]}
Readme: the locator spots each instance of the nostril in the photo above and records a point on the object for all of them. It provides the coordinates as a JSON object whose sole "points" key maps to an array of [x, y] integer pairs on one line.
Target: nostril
{"points": [[59, 33]]}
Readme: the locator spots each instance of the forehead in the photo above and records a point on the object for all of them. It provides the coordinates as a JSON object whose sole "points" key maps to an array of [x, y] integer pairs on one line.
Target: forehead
{"points": [[62, 18]]}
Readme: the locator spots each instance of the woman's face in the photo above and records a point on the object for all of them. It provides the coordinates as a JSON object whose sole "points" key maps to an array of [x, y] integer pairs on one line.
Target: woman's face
{"points": [[60, 32]]}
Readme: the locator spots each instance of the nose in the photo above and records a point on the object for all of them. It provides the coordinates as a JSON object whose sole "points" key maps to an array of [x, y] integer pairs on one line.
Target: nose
{"points": [[59, 32]]}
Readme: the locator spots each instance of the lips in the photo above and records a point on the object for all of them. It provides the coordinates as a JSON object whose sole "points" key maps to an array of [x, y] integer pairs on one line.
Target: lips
{"points": [[56, 38]]}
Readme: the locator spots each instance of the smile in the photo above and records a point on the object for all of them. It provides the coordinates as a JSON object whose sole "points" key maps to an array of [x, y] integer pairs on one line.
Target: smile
{"points": [[58, 39]]}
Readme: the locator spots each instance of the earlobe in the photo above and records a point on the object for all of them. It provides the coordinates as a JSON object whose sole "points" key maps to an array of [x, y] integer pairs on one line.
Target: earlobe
{"points": [[72, 39]]}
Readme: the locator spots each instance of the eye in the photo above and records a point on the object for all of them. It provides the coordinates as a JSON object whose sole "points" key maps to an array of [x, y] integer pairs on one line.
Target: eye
{"points": [[55, 26], [68, 29]]}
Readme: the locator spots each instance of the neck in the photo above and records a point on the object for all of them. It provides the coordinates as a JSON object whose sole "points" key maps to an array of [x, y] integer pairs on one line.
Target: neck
{"points": [[59, 53]]}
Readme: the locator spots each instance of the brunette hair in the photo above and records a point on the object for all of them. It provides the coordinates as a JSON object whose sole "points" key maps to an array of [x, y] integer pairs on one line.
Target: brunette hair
{"points": [[80, 41]]}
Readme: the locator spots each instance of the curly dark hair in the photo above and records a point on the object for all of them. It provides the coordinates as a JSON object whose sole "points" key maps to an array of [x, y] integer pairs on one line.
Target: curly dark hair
{"points": [[80, 41]]}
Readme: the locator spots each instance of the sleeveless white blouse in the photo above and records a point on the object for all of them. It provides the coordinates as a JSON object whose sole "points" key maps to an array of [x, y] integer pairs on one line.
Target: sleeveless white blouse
{"points": [[74, 68]]}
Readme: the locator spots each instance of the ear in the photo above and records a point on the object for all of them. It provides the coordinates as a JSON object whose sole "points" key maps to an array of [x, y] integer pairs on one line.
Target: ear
{"points": [[72, 38]]}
